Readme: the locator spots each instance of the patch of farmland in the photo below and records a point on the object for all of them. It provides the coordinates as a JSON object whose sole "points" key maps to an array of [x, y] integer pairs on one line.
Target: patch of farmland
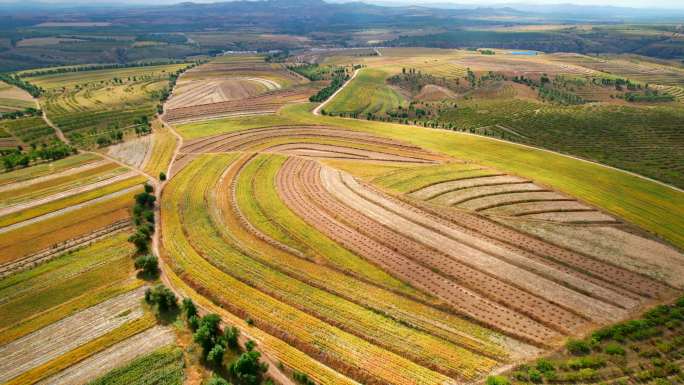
{"points": [[29, 130], [88, 104], [610, 244], [123, 354], [133, 152], [366, 94], [339, 349], [162, 151], [266, 103], [56, 339], [61, 229], [396, 225], [48, 169], [14, 99], [58, 288], [197, 92], [89, 178], [70, 200], [421, 347]]}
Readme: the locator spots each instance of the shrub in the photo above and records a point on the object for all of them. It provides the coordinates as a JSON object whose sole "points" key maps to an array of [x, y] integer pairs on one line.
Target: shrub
{"points": [[148, 264], [544, 365], [497, 380], [247, 369], [217, 381], [215, 355], [189, 308], [535, 375], [578, 347], [614, 349], [161, 297], [162, 176]]}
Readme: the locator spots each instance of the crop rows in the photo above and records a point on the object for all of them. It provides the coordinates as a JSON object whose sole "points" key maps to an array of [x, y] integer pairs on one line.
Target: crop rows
{"points": [[268, 102], [420, 347], [373, 245], [325, 342], [56, 339], [47, 170], [49, 231], [295, 264], [30, 130]]}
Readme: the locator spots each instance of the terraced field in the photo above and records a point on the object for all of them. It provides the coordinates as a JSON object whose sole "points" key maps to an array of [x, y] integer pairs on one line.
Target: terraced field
{"points": [[234, 87], [367, 94], [320, 229], [87, 105]]}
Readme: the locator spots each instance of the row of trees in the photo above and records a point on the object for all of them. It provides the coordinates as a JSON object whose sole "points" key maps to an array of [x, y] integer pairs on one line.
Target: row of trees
{"points": [[20, 158], [14, 80], [337, 82], [20, 114], [96, 67], [143, 218]]}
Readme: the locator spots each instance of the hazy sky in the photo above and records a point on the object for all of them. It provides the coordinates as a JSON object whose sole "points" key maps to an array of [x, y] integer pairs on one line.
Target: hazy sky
{"points": [[672, 4]]}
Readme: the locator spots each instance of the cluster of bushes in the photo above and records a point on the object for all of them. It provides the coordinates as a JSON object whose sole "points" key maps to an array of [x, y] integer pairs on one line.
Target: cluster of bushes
{"points": [[650, 96], [560, 96], [20, 114], [337, 81], [247, 369], [487, 52], [142, 126], [114, 136], [20, 158], [143, 217], [413, 80], [312, 72], [162, 299], [14, 80]]}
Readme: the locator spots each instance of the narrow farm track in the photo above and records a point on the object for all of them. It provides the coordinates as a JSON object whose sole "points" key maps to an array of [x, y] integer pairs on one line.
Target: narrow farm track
{"points": [[60, 337]]}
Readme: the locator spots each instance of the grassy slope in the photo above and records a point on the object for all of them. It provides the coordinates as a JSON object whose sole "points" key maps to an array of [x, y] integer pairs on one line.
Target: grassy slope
{"points": [[653, 207], [369, 85]]}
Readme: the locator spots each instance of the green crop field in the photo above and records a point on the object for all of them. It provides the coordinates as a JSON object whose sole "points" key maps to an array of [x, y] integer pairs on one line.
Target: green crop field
{"points": [[366, 94]]}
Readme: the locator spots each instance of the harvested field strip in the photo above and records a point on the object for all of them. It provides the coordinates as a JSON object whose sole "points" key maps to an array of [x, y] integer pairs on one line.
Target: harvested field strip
{"points": [[420, 347], [274, 348], [367, 170], [266, 212], [410, 312], [61, 185], [462, 300], [439, 264], [41, 233], [573, 217], [132, 152], [314, 147], [58, 175], [68, 308], [65, 267], [243, 139], [70, 201], [52, 341], [508, 201], [47, 169], [163, 147], [269, 101], [617, 277], [161, 366], [411, 180], [325, 342], [86, 350], [517, 208], [544, 280], [40, 297], [435, 190], [457, 197]]}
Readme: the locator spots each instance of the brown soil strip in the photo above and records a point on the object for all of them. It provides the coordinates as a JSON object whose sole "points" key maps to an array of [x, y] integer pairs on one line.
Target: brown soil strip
{"points": [[525, 203]]}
